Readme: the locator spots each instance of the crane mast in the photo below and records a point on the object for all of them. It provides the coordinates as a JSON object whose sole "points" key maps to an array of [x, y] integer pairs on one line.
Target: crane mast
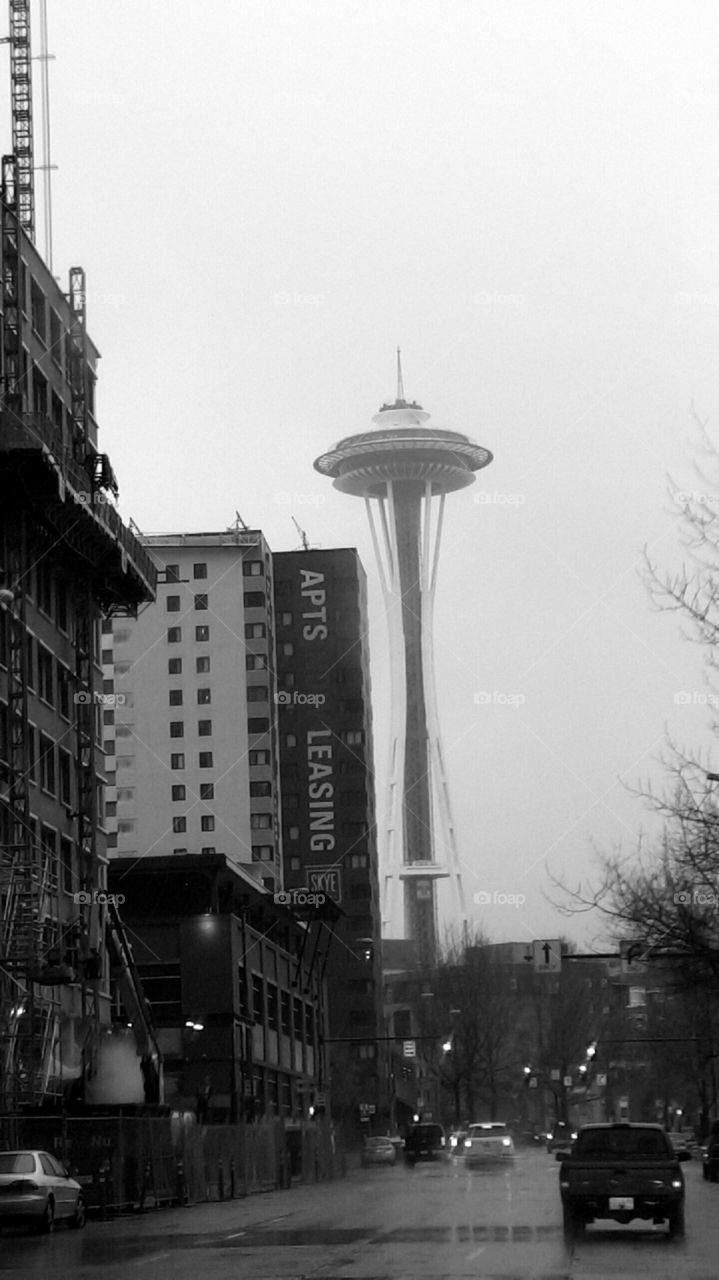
{"points": [[21, 102]]}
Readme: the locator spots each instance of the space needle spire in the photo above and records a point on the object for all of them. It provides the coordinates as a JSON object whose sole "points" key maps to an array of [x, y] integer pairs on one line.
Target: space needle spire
{"points": [[404, 469]]}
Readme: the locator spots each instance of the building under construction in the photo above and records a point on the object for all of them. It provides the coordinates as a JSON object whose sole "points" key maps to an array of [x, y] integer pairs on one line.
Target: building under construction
{"points": [[66, 562]]}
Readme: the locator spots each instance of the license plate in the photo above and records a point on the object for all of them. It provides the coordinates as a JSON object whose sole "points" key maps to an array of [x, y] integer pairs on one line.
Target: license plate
{"points": [[621, 1202]]}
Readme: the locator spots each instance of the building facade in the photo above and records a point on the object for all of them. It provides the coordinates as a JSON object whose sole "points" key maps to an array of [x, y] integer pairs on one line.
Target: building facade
{"points": [[193, 738], [236, 986], [328, 800], [66, 561]]}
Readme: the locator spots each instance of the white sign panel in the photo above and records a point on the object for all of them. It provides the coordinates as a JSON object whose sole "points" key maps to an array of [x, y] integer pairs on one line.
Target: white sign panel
{"points": [[547, 955]]}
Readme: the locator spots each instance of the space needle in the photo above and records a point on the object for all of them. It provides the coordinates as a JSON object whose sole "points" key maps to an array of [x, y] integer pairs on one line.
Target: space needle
{"points": [[404, 470]]}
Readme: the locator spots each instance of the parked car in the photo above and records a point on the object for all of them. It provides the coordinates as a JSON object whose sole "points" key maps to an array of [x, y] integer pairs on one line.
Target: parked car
{"points": [[622, 1171], [710, 1155], [488, 1142], [561, 1137], [424, 1142], [378, 1151], [35, 1187]]}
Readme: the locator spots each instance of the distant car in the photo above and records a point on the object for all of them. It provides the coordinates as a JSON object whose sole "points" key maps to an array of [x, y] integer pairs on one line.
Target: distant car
{"points": [[683, 1140], [35, 1187], [710, 1155], [379, 1151], [488, 1142], [456, 1142], [561, 1137], [425, 1142]]}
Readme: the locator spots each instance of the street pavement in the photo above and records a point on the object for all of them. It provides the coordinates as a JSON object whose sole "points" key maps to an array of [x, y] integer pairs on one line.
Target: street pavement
{"points": [[433, 1222]]}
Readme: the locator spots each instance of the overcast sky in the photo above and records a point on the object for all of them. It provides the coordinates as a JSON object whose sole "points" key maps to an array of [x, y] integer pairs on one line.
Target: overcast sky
{"points": [[268, 198]]}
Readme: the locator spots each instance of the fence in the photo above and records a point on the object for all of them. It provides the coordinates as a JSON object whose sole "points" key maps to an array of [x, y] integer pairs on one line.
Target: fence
{"points": [[138, 1162]]}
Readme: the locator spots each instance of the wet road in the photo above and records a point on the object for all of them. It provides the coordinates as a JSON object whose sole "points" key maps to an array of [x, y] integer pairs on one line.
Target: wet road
{"points": [[430, 1223]]}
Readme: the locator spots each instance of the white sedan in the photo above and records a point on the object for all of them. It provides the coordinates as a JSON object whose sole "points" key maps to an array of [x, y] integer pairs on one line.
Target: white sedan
{"points": [[486, 1143], [35, 1187]]}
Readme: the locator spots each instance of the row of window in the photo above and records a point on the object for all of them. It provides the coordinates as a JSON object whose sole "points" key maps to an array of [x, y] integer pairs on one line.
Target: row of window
{"points": [[253, 631], [48, 764], [356, 861], [207, 823], [177, 728], [202, 665], [173, 604], [250, 569], [204, 697]]}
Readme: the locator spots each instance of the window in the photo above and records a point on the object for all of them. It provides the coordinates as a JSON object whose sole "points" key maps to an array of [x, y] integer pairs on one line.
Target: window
{"points": [[252, 568], [65, 775], [199, 570], [259, 724], [178, 792], [172, 573], [61, 604], [290, 739], [286, 619], [207, 790], [254, 600], [179, 850], [358, 860], [32, 753], [208, 849], [205, 759], [260, 788], [179, 824], [45, 671], [260, 821], [177, 728], [272, 1003], [258, 998], [66, 864], [255, 630], [207, 822], [294, 833], [255, 662], [174, 666], [295, 864], [262, 853], [202, 633], [202, 664], [258, 693], [37, 309], [44, 588], [126, 794], [291, 800], [174, 635], [201, 602], [288, 649], [259, 757], [285, 1022], [175, 697], [204, 728], [177, 760], [353, 737], [47, 764], [204, 697], [288, 680], [173, 604], [55, 338]]}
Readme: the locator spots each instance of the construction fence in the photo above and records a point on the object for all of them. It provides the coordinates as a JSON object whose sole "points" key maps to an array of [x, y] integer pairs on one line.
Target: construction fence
{"points": [[137, 1162]]}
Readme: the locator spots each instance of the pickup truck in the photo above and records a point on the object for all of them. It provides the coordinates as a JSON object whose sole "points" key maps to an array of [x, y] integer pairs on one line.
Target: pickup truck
{"points": [[622, 1171]]}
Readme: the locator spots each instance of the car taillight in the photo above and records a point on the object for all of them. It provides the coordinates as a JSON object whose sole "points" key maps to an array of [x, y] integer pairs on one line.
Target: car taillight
{"points": [[468, 1142], [442, 1141]]}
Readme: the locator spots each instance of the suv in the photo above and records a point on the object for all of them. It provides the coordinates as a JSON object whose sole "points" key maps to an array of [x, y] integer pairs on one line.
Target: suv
{"points": [[561, 1137], [424, 1142]]}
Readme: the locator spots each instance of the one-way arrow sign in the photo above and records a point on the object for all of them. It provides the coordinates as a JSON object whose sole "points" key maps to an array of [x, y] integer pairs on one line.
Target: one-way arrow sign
{"points": [[547, 955]]}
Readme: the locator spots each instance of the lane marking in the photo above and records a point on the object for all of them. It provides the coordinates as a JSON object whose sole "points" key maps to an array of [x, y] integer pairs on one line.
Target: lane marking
{"points": [[154, 1257], [235, 1235], [475, 1253]]}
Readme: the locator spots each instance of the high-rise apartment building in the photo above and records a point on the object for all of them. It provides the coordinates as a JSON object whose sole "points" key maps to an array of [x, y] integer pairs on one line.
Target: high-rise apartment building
{"points": [[328, 797], [194, 734]]}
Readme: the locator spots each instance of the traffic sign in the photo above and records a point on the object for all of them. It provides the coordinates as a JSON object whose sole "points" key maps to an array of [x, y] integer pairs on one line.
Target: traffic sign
{"points": [[601, 1080], [633, 955], [547, 955], [409, 1049], [567, 1082]]}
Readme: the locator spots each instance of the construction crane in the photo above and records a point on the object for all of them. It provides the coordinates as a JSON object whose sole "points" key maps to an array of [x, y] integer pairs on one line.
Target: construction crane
{"points": [[21, 107], [306, 545]]}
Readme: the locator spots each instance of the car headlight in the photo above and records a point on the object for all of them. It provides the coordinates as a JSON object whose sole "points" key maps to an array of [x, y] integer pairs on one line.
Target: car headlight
{"points": [[573, 1136], [676, 1183], [468, 1142], [506, 1142]]}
